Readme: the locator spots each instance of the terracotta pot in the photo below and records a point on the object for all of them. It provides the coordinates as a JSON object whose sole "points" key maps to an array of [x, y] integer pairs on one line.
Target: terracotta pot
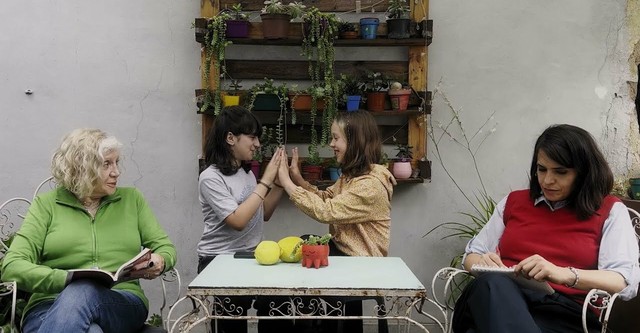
{"points": [[315, 255], [302, 102], [401, 169], [349, 35], [275, 26], [311, 172], [399, 99], [375, 100]]}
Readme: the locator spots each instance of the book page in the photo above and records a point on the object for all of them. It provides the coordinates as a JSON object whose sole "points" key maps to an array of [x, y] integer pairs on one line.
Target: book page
{"points": [[523, 282], [122, 274], [103, 277]]}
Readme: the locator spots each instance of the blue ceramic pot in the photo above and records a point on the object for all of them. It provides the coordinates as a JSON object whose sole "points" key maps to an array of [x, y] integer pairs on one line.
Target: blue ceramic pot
{"points": [[369, 27]]}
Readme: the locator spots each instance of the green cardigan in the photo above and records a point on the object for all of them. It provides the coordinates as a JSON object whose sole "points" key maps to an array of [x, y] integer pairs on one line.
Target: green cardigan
{"points": [[59, 234]]}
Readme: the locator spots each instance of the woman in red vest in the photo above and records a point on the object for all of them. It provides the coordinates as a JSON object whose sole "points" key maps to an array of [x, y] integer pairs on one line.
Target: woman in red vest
{"points": [[565, 230]]}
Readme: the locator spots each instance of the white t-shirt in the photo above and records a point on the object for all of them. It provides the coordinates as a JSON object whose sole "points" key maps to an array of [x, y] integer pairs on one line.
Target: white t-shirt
{"points": [[220, 196]]}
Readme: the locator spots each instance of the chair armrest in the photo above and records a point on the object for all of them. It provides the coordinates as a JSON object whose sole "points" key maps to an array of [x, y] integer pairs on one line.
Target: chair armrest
{"points": [[601, 302]]}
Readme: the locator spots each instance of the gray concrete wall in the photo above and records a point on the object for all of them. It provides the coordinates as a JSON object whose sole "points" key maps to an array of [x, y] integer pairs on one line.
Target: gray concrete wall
{"points": [[130, 67]]}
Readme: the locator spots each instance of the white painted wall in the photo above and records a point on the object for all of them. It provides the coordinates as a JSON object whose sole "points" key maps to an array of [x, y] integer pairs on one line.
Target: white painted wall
{"points": [[130, 68]]}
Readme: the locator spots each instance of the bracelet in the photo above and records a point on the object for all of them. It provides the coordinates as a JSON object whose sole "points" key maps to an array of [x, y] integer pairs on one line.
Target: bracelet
{"points": [[575, 272], [258, 194], [265, 185]]}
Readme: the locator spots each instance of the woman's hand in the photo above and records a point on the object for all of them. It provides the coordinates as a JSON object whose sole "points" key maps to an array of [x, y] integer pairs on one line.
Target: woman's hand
{"points": [[538, 268], [271, 171], [490, 259], [149, 269]]}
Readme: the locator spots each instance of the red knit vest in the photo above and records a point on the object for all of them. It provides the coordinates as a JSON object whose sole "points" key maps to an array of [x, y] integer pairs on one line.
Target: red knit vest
{"points": [[558, 236]]}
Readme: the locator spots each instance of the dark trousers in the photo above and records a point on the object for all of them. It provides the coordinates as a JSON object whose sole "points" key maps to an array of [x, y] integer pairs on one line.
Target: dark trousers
{"points": [[352, 307], [494, 303]]}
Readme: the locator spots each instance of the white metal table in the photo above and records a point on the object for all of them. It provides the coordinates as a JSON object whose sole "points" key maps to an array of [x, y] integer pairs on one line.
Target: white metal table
{"points": [[358, 277]]}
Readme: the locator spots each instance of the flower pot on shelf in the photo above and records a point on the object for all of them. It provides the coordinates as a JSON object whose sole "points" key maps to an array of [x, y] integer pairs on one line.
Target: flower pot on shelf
{"points": [[399, 99], [353, 102], [266, 102], [398, 28], [302, 102], [255, 168], [369, 27], [237, 29], [634, 191], [402, 169], [275, 26], [349, 35], [334, 173], [315, 255], [375, 100], [228, 100], [311, 172]]}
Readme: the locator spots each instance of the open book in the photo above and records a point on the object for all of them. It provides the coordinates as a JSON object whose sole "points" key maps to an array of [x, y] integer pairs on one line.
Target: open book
{"points": [[520, 280], [110, 279]]}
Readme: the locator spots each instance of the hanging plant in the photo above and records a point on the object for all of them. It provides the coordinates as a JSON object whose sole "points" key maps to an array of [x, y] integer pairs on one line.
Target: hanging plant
{"points": [[215, 44], [319, 33]]}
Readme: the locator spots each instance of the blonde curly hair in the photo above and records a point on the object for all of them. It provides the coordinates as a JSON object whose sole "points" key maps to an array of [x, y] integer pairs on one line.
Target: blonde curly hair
{"points": [[76, 163]]}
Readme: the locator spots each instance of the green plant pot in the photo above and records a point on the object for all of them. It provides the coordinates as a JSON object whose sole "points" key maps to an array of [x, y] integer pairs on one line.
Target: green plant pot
{"points": [[266, 102], [635, 188]]}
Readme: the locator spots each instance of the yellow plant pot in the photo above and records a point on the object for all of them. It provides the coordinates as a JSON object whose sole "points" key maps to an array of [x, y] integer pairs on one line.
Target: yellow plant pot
{"points": [[230, 100]]}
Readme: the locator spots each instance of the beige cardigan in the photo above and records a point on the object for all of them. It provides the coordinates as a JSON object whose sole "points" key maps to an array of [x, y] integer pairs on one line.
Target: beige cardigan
{"points": [[357, 210]]}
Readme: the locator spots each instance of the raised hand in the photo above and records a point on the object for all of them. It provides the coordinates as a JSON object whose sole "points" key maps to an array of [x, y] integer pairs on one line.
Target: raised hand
{"points": [[271, 171]]}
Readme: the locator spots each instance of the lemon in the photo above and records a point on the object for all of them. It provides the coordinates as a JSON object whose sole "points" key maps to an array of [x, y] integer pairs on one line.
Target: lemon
{"points": [[267, 253], [287, 245]]}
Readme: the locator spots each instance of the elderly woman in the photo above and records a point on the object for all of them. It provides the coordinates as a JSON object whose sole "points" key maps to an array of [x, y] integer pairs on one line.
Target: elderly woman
{"points": [[86, 222]]}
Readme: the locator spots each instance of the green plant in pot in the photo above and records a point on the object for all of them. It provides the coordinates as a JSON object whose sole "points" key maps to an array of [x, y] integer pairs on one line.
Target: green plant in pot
{"points": [[237, 22], [402, 161], [351, 89], [375, 86], [398, 21], [347, 30], [232, 96], [277, 16], [315, 251], [268, 96], [312, 165]]}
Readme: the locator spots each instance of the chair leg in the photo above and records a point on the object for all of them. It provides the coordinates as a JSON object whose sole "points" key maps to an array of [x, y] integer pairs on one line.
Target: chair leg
{"points": [[383, 326]]}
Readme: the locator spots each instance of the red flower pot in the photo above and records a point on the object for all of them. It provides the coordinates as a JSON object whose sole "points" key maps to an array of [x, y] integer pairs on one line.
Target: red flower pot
{"points": [[315, 255]]}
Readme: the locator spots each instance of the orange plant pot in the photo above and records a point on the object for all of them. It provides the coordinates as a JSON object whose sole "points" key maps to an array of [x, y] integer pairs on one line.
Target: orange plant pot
{"points": [[315, 256]]}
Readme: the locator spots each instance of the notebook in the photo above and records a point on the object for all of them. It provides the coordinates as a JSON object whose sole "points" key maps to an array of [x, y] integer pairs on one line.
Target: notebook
{"points": [[523, 282]]}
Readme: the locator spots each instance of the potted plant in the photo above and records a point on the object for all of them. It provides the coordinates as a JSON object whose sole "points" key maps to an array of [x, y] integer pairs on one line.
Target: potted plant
{"points": [[315, 251], [351, 91], [369, 27], [268, 96], [399, 95], [312, 165], [398, 21], [237, 22], [311, 98], [375, 86], [232, 96], [347, 30], [334, 169], [277, 16], [402, 161]]}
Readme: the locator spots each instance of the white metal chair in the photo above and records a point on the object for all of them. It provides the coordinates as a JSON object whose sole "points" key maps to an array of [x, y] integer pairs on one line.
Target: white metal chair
{"points": [[13, 211], [448, 282]]}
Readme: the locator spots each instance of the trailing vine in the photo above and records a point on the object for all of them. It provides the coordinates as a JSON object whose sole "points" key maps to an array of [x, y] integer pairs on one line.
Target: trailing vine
{"points": [[215, 44], [319, 32]]}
